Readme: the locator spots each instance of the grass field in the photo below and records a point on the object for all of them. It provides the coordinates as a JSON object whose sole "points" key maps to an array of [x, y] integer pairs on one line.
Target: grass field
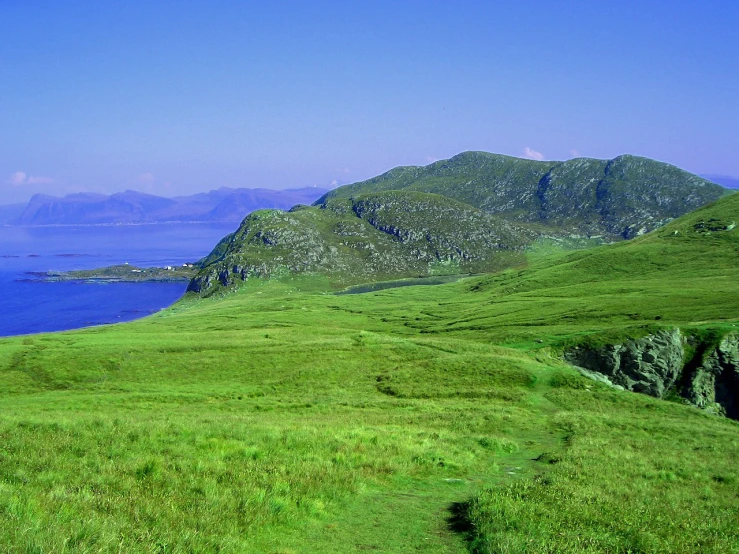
{"points": [[281, 418]]}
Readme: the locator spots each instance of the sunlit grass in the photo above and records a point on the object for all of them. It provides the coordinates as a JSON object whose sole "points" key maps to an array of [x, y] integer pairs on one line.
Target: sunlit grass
{"points": [[282, 418]]}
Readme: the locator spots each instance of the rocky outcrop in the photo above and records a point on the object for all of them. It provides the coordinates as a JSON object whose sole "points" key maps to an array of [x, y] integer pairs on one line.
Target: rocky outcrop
{"points": [[650, 365], [656, 365], [713, 383]]}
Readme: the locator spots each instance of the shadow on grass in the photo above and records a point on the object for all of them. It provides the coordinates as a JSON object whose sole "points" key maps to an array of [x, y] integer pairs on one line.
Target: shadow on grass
{"points": [[459, 522]]}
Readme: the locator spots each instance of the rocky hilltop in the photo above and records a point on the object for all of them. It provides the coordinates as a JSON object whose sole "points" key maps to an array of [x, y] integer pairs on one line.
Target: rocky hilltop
{"points": [[619, 198], [475, 212], [373, 237]]}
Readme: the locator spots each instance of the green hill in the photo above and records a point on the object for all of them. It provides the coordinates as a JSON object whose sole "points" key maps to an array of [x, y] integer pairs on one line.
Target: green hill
{"points": [[474, 213], [620, 198], [282, 418], [374, 237]]}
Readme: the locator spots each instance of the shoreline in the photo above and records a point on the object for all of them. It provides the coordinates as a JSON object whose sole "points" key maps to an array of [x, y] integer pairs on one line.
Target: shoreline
{"points": [[123, 273], [120, 224]]}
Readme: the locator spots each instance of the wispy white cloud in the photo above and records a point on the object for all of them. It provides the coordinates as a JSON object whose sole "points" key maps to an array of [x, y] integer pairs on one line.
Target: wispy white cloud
{"points": [[146, 178], [20, 178], [574, 153], [431, 159], [532, 154]]}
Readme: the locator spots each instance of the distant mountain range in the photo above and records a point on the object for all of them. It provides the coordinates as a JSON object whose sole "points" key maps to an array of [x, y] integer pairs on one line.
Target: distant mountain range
{"points": [[723, 180], [222, 205]]}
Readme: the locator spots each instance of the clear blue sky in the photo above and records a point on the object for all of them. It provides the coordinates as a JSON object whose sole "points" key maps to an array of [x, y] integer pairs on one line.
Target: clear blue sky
{"points": [[175, 97]]}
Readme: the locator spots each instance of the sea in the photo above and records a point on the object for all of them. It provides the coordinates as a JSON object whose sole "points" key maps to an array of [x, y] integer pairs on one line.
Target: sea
{"points": [[28, 305]]}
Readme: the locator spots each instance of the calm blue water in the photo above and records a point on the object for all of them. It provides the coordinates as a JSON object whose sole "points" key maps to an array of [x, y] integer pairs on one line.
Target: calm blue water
{"points": [[34, 307]]}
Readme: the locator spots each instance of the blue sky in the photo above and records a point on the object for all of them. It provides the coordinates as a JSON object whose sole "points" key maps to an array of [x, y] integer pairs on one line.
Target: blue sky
{"points": [[180, 97]]}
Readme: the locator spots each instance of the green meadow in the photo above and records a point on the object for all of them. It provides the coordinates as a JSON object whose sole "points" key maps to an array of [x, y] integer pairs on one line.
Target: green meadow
{"points": [[279, 417]]}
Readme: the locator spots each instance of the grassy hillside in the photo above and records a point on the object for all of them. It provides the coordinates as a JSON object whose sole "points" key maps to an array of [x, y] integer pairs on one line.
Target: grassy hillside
{"points": [[682, 273], [281, 418]]}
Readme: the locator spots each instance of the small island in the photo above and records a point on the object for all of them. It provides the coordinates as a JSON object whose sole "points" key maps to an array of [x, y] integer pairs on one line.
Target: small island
{"points": [[123, 273]]}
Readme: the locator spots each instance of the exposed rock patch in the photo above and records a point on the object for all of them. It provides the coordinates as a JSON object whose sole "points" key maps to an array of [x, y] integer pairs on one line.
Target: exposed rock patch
{"points": [[714, 383], [656, 365], [650, 365]]}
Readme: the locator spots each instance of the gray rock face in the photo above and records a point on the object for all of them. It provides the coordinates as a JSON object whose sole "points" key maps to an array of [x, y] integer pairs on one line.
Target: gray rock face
{"points": [[655, 364], [714, 383], [650, 365]]}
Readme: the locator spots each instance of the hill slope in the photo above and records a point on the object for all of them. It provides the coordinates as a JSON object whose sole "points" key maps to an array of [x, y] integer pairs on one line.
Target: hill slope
{"points": [[374, 237], [618, 198], [681, 275], [473, 213], [685, 273]]}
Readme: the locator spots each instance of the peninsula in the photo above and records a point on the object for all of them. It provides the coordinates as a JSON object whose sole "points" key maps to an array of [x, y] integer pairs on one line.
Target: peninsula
{"points": [[123, 273]]}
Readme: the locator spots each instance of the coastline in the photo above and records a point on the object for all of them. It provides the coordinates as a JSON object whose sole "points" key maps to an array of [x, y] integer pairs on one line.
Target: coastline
{"points": [[123, 273], [123, 224]]}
